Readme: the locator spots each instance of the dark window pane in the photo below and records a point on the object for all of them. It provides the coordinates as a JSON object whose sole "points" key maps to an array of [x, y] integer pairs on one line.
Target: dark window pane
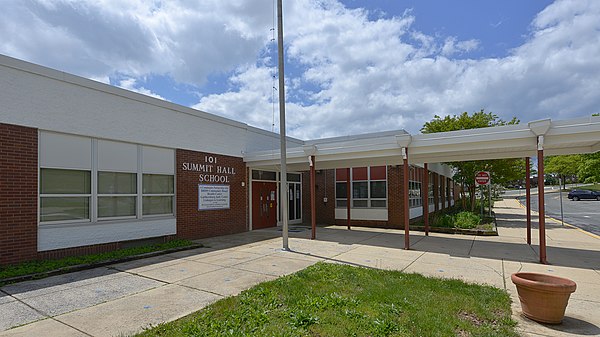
{"points": [[340, 190], [360, 190], [378, 189], [360, 203], [69, 208], [116, 206], [157, 184], [117, 183], [157, 205], [341, 203], [55, 181], [378, 203], [264, 175]]}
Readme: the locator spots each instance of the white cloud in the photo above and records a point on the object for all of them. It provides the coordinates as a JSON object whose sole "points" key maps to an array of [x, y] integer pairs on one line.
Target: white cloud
{"points": [[132, 85], [348, 70], [185, 39], [380, 75]]}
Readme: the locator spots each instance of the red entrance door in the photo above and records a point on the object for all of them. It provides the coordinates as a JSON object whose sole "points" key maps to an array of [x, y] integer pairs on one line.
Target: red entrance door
{"points": [[264, 204]]}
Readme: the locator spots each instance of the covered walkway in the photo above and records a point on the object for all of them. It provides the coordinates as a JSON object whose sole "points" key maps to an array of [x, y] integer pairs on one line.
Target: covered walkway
{"points": [[124, 298], [533, 139]]}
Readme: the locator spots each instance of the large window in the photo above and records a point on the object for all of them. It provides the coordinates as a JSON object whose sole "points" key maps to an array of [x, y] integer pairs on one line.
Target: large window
{"points": [[117, 194], [92, 180], [430, 191], [64, 195], [369, 187], [414, 194], [158, 194]]}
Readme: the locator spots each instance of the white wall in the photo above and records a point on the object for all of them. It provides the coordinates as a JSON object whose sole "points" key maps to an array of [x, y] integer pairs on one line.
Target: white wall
{"points": [[379, 214], [43, 98], [64, 236]]}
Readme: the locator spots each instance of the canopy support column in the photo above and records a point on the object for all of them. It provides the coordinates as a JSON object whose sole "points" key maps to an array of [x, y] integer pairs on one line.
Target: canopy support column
{"points": [[313, 204], [425, 197], [541, 206], [528, 197], [348, 188], [405, 174]]}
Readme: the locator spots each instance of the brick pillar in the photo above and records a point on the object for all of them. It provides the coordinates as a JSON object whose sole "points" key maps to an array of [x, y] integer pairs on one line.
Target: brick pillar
{"points": [[395, 199], [18, 193]]}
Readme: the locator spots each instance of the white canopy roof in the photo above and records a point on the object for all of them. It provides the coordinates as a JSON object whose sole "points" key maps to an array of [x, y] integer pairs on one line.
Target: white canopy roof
{"points": [[581, 135]]}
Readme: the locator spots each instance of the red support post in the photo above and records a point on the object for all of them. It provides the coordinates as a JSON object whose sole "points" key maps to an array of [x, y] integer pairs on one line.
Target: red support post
{"points": [[405, 193], [426, 198], [528, 197], [348, 188], [541, 207], [313, 204]]}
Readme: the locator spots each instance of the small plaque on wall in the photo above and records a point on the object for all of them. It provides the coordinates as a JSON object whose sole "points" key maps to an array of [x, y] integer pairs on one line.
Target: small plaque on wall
{"points": [[211, 197]]}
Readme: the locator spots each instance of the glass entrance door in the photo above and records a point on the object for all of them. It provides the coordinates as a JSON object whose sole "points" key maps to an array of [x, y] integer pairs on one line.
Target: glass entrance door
{"points": [[295, 202]]}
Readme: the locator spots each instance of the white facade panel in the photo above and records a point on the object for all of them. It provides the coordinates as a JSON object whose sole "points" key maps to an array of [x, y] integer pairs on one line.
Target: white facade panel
{"points": [[117, 156], [75, 105], [415, 212], [158, 160], [67, 236], [65, 151], [378, 214]]}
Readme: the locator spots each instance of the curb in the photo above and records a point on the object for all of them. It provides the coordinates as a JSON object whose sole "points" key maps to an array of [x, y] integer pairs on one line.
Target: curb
{"points": [[80, 267], [559, 221]]}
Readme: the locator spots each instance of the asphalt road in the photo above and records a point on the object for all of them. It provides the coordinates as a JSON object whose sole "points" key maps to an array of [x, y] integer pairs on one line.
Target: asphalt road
{"points": [[584, 214]]}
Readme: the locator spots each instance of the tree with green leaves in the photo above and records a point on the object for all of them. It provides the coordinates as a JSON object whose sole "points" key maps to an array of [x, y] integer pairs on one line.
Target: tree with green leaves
{"points": [[566, 165], [501, 170], [588, 170]]}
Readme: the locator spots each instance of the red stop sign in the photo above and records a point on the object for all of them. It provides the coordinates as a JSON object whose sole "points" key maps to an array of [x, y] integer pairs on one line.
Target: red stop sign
{"points": [[482, 178]]}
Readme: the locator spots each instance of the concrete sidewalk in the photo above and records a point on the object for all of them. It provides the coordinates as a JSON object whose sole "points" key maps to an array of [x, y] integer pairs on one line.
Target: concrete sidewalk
{"points": [[125, 298]]}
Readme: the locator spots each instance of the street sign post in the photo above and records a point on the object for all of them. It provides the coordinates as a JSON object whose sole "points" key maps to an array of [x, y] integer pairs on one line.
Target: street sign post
{"points": [[483, 178]]}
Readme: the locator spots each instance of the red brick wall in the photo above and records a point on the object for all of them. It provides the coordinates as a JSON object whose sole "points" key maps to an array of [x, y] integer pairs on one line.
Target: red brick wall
{"points": [[326, 213], [395, 196], [325, 188], [195, 224], [18, 193]]}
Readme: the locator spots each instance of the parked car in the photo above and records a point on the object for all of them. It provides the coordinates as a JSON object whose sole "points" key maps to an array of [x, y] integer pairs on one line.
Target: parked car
{"points": [[583, 194]]}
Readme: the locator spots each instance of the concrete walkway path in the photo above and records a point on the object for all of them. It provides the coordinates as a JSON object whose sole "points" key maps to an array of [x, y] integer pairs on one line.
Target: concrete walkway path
{"points": [[124, 298]]}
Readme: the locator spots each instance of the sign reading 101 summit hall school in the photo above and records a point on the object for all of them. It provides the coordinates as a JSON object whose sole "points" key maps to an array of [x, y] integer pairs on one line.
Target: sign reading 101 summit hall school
{"points": [[213, 190]]}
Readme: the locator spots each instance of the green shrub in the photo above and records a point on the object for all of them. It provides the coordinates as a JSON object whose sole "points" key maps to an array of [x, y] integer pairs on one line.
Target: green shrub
{"points": [[444, 220], [466, 220]]}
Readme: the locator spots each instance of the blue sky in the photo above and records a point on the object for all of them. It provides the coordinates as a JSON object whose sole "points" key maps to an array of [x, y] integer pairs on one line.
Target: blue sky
{"points": [[352, 66]]}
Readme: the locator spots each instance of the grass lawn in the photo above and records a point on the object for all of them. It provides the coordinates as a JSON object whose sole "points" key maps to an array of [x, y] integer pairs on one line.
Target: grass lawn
{"points": [[339, 300], [593, 187], [44, 266]]}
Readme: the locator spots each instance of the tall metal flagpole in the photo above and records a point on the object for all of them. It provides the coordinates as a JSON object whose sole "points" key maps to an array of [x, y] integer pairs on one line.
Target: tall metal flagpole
{"points": [[283, 179]]}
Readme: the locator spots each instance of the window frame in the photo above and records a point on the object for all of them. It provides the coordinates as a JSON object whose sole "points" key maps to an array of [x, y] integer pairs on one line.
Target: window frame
{"points": [[172, 195], [100, 195], [93, 196], [415, 200], [65, 195], [368, 182]]}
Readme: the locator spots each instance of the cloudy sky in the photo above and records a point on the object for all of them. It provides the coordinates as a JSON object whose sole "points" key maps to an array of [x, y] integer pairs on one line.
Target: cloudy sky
{"points": [[352, 66]]}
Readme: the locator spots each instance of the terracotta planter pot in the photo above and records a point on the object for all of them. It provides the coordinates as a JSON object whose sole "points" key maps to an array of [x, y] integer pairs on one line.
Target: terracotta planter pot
{"points": [[543, 297]]}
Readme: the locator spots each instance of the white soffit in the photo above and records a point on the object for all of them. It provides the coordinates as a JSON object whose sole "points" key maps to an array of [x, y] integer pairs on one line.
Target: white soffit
{"points": [[580, 135]]}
